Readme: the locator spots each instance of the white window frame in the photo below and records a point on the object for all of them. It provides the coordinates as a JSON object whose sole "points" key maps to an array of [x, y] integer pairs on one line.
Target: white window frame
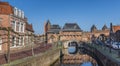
{"points": [[0, 44], [18, 26], [22, 14], [15, 11], [23, 27], [23, 41]]}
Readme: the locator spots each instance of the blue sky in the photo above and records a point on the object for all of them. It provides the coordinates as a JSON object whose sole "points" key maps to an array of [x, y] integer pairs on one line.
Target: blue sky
{"points": [[84, 12]]}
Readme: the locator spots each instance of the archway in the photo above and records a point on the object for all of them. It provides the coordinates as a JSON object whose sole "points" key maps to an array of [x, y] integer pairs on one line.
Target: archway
{"points": [[65, 43]]}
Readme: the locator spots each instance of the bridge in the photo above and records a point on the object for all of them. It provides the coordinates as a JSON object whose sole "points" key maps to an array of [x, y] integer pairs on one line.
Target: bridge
{"points": [[104, 56], [100, 53]]}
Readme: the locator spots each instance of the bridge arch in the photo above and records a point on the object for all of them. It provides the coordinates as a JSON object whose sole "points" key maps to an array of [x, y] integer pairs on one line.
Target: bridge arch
{"points": [[93, 54], [65, 43]]}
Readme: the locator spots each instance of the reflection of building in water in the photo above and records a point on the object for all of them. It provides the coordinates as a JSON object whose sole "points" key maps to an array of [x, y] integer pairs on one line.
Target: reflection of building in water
{"points": [[77, 58]]}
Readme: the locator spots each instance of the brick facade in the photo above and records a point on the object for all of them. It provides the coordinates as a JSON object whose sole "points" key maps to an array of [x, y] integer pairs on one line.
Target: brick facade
{"points": [[14, 18], [78, 35], [116, 27]]}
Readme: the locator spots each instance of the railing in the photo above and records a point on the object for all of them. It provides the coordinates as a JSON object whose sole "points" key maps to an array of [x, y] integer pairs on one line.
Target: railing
{"points": [[113, 55]]}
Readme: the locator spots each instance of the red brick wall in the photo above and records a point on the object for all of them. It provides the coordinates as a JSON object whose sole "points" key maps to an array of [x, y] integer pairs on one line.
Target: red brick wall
{"points": [[5, 20], [115, 28]]}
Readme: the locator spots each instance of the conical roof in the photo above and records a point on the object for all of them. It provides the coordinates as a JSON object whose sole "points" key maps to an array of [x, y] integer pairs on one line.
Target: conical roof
{"points": [[104, 27], [93, 28]]}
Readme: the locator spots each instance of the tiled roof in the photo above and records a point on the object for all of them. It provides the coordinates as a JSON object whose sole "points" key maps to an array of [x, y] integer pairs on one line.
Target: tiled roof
{"points": [[71, 27], [116, 27], [5, 8], [4, 3], [29, 27]]}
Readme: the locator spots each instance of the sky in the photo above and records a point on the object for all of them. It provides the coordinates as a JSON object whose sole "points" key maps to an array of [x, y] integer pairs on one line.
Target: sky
{"points": [[83, 12]]}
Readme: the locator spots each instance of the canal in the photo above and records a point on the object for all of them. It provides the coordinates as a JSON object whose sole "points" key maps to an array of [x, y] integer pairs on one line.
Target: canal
{"points": [[78, 59]]}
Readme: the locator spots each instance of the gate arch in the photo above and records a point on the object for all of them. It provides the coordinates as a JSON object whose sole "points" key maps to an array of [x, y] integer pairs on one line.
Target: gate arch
{"points": [[65, 43]]}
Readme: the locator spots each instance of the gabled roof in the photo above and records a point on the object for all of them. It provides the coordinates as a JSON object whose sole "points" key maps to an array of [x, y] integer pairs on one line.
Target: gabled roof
{"points": [[71, 27], [47, 22], [29, 27], [93, 28], [104, 27]]}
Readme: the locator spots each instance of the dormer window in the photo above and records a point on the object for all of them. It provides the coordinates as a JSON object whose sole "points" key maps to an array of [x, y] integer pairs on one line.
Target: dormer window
{"points": [[22, 14], [19, 13], [15, 11]]}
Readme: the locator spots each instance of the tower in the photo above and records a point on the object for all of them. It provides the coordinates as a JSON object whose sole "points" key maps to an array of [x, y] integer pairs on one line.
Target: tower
{"points": [[111, 29], [46, 28], [93, 28], [104, 27]]}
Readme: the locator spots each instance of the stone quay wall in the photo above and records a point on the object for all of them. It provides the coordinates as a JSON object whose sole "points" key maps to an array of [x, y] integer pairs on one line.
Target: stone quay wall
{"points": [[43, 59]]}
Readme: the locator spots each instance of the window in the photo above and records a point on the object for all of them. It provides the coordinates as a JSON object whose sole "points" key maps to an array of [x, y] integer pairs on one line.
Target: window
{"points": [[19, 41], [13, 25], [13, 41], [0, 44], [15, 11], [22, 41], [19, 13], [22, 27], [17, 28], [22, 14]]}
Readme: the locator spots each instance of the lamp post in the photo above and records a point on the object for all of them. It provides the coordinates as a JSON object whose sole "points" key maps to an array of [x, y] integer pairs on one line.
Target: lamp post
{"points": [[111, 33]]}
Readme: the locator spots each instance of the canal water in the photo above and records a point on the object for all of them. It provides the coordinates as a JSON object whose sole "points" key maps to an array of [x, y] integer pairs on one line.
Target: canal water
{"points": [[77, 59]]}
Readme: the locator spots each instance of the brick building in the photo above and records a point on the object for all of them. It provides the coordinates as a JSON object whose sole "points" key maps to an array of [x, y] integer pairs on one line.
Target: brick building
{"points": [[15, 19], [72, 31], [29, 37], [116, 28], [96, 32]]}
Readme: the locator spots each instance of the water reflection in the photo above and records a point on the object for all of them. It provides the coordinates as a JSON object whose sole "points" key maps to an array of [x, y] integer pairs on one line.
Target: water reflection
{"points": [[77, 59], [87, 64]]}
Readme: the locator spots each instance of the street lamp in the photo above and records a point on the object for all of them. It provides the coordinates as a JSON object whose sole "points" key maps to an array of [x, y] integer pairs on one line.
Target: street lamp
{"points": [[111, 34]]}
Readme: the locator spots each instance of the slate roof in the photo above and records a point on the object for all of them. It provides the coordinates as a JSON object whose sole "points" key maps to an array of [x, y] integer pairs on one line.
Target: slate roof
{"points": [[54, 29], [104, 27], [71, 27], [93, 28]]}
